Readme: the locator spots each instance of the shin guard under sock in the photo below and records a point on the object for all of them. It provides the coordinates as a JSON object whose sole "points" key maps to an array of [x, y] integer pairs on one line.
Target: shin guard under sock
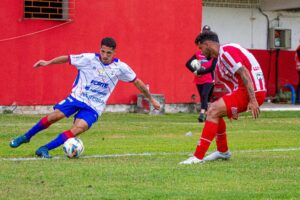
{"points": [[41, 125], [208, 133], [221, 137], [61, 138]]}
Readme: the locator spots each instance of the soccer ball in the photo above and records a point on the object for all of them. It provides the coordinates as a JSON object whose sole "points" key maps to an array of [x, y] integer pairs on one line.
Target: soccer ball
{"points": [[73, 147], [195, 64]]}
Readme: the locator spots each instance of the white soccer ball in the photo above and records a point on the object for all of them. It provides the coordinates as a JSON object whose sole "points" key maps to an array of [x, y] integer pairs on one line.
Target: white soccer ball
{"points": [[73, 147], [196, 64]]}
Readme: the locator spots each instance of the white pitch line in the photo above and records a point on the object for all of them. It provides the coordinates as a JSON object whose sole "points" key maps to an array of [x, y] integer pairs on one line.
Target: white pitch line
{"points": [[145, 154]]}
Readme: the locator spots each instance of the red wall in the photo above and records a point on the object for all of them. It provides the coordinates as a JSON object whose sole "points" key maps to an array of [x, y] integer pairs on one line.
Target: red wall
{"points": [[287, 73], [154, 37]]}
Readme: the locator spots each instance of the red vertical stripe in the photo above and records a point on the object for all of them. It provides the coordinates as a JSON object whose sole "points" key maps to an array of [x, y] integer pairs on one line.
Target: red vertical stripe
{"points": [[227, 61], [261, 84], [253, 81]]}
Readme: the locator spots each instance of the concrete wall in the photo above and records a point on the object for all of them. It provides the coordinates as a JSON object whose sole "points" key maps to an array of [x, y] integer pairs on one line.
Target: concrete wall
{"points": [[248, 26]]}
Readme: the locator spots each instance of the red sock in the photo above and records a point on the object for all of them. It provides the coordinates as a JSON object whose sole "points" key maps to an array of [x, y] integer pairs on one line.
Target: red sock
{"points": [[208, 133], [221, 138], [45, 122]]}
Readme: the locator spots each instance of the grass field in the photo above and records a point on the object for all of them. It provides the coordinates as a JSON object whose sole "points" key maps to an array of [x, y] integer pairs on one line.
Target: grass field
{"points": [[265, 163]]}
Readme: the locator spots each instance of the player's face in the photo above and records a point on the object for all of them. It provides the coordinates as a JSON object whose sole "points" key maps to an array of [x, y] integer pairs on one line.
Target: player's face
{"points": [[206, 51], [107, 54]]}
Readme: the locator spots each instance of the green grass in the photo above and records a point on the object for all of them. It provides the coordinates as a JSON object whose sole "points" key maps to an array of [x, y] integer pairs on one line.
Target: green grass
{"points": [[252, 173]]}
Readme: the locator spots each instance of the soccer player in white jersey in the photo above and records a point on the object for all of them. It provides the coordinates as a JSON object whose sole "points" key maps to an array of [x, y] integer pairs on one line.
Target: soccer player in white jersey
{"points": [[98, 74], [242, 75]]}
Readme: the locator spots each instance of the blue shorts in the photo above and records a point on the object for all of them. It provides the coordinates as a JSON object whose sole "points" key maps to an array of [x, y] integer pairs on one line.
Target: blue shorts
{"points": [[70, 105]]}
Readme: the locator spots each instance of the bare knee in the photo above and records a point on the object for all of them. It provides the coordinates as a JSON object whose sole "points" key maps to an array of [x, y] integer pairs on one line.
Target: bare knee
{"points": [[55, 116], [213, 111], [79, 127], [216, 110]]}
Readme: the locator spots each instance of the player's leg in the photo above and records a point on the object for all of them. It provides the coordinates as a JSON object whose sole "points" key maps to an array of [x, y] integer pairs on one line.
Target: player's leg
{"points": [[236, 103], [84, 119], [205, 92], [221, 141], [79, 127], [214, 113], [201, 117], [44, 123], [210, 95]]}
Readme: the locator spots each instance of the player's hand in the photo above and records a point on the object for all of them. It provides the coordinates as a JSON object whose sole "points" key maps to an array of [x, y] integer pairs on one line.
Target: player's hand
{"points": [[41, 63], [155, 104], [254, 108], [235, 117]]}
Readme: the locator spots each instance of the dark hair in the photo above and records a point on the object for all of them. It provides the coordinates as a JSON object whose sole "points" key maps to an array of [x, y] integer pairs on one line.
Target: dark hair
{"points": [[206, 28], [109, 42], [207, 35]]}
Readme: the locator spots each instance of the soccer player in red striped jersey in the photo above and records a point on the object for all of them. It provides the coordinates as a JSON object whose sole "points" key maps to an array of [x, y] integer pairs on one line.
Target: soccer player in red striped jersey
{"points": [[240, 72]]}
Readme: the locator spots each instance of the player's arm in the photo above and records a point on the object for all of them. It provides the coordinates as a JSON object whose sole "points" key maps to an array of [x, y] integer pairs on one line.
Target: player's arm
{"points": [[208, 70], [57, 60], [142, 87], [189, 65], [252, 105]]}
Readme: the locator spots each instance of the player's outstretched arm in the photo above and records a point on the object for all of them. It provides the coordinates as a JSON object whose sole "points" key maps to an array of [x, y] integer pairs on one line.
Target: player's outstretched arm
{"points": [[57, 60], [142, 87], [252, 105]]}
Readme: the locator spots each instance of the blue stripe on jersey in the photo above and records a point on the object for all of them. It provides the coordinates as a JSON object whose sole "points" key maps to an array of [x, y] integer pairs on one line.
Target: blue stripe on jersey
{"points": [[77, 78]]}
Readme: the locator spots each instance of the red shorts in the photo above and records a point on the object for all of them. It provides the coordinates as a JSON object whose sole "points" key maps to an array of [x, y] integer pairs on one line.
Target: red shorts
{"points": [[237, 101]]}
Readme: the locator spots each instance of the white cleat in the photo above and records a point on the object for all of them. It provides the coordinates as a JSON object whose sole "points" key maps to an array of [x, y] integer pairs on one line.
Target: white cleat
{"points": [[191, 160], [218, 155]]}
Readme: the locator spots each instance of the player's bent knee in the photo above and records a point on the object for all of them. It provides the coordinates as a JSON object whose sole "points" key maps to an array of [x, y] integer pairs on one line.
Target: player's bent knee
{"points": [[211, 111], [79, 127], [214, 111], [55, 116], [78, 130]]}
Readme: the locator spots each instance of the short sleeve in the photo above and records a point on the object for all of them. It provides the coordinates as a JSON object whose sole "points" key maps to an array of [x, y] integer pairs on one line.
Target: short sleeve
{"points": [[80, 60], [126, 73]]}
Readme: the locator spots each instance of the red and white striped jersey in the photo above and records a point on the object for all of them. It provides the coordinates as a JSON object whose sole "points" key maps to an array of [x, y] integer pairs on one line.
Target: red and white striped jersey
{"points": [[231, 58]]}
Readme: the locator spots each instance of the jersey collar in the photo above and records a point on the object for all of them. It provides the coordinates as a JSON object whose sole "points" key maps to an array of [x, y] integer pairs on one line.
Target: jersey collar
{"points": [[113, 60]]}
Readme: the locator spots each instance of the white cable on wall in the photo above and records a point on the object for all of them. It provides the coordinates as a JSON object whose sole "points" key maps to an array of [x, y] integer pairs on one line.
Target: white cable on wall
{"points": [[36, 32]]}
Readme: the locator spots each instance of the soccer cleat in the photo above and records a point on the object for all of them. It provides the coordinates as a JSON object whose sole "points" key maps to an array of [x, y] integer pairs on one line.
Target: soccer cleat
{"points": [[18, 141], [191, 160], [201, 117], [43, 152], [218, 155]]}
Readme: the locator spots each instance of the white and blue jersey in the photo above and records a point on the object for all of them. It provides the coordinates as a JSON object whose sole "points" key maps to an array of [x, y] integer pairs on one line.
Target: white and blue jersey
{"points": [[96, 81]]}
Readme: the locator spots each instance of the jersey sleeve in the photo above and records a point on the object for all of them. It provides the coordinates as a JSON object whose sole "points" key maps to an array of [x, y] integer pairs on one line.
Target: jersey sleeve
{"points": [[80, 61], [126, 73]]}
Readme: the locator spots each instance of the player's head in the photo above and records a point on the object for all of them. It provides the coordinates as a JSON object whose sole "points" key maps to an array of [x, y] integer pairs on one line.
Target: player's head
{"points": [[207, 35], [107, 49], [208, 43]]}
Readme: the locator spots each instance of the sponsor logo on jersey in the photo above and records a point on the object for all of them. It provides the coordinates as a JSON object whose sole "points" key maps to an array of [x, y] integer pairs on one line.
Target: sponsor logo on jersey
{"points": [[256, 68], [104, 85], [93, 98], [101, 71]]}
